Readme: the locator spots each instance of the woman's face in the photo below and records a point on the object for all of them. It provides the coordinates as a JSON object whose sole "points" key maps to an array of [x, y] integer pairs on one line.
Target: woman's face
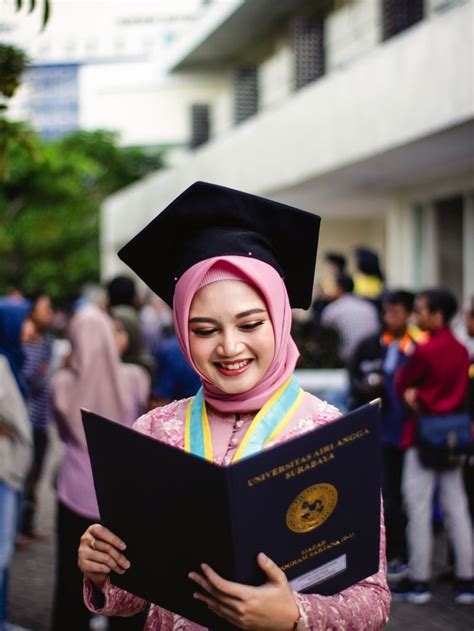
{"points": [[231, 335]]}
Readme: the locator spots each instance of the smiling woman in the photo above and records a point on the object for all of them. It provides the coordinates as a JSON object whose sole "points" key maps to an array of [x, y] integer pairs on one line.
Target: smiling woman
{"points": [[231, 348], [232, 265]]}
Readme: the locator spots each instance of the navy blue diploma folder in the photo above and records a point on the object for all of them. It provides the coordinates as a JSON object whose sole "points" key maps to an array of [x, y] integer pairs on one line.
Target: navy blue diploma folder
{"points": [[312, 504]]}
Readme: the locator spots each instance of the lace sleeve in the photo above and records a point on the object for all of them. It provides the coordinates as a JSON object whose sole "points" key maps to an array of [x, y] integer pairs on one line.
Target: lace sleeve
{"points": [[112, 601], [165, 423]]}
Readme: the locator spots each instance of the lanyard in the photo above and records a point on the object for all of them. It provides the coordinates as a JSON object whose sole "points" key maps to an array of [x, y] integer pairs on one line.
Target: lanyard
{"points": [[266, 425]]}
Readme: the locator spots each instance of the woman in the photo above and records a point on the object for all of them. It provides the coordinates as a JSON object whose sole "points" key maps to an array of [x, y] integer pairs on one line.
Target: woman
{"points": [[232, 315], [96, 379], [15, 438], [38, 349]]}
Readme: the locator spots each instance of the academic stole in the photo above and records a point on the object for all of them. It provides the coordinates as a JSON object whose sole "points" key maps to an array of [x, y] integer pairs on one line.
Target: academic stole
{"points": [[267, 424]]}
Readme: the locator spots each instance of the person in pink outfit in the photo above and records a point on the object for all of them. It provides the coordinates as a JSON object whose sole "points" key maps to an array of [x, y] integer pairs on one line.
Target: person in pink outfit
{"points": [[232, 313], [95, 378]]}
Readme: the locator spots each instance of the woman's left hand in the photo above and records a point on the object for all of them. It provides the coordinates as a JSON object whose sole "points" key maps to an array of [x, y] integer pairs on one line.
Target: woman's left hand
{"points": [[269, 607]]}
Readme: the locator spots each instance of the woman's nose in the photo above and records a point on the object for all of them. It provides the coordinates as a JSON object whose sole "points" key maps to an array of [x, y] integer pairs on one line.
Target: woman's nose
{"points": [[230, 344]]}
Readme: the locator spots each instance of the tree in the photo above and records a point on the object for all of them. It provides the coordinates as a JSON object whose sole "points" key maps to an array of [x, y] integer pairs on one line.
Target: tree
{"points": [[49, 208], [13, 63]]}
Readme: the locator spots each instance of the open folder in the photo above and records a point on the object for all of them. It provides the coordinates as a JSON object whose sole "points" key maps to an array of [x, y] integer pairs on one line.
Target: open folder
{"points": [[312, 504]]}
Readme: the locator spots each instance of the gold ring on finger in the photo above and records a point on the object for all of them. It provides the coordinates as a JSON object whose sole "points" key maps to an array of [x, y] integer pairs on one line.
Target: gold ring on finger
{"points": [[92, 543]]}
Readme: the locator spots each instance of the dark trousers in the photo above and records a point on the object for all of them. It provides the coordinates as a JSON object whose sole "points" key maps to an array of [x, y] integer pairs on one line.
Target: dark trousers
{"points": [[395, 518], [40, 444], [469, 483], [69, 610]]}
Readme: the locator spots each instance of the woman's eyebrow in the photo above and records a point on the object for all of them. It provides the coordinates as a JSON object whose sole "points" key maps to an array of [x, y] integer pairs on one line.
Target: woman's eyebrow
{"points": [[202, 320], [244, 314]]}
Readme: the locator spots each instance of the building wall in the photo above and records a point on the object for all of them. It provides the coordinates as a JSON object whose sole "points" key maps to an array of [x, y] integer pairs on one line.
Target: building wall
{"points": [[276, 74], [119, 49], [351, 31], [373, 146], [222, 108], [343, 235], [149, 108]]}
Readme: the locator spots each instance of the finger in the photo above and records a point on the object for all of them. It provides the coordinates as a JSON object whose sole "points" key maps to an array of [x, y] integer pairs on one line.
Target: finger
{"points": [[217, 595], [204, 584], [105, 559], [102, 546], [271, 569], [92, 567], [102, 533], [86, 556], [108, 555], [229, 588], [219, 608]]}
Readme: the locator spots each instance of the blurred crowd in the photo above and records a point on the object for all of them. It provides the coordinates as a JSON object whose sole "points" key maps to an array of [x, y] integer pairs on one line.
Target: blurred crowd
{"points": [[402, 348], [117, 354], [112, 353]]}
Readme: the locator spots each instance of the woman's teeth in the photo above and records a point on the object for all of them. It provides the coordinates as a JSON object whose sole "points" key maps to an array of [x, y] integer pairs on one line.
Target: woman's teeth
{"points": [[235, 365]]}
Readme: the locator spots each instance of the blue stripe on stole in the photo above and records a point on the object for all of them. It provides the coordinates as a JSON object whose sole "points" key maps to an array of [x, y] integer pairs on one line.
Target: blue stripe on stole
{"points": [[272, 418], [196, 434]]}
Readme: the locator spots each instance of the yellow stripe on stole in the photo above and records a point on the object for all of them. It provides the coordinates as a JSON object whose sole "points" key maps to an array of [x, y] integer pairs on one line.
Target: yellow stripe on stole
{"points": [[187, 428], [206, 430]]}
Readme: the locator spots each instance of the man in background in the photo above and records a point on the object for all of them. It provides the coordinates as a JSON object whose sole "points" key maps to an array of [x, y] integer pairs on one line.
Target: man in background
{"points": [[434, 381], [352, 317], [372, 374]]}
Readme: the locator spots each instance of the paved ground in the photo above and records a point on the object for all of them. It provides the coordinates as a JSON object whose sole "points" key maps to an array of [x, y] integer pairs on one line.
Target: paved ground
{"points": [[32, 582]]}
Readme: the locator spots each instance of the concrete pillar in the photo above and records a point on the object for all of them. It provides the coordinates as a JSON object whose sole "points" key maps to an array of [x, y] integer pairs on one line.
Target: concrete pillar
{"points": [[468, 246]]}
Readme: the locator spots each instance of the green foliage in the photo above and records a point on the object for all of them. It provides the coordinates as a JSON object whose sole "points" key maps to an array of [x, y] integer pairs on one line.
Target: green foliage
{"points": [[49, 208], [13, 62]]}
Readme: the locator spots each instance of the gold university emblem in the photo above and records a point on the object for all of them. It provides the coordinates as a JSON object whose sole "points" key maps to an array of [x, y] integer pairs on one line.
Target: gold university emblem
{"points": [[311, 507]]}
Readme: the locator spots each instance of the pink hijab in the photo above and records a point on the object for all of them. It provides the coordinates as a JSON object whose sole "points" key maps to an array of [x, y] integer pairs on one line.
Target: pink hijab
{"points": [[271, 286], [97, 379]]}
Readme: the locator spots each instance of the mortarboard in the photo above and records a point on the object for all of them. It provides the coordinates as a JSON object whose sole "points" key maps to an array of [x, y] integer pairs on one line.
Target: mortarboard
{"points": [[208, 220]]}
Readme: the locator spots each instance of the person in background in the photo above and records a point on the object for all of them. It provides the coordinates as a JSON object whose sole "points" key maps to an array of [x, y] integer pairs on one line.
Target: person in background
{"points": [[156, 322], [122, 305], [352, 317], [434, 381], [15, 443], [334, 265], [469, 463], [372, 373], [37, 345], [368, 279], [15, 311], [174, 377], [95, 379]]}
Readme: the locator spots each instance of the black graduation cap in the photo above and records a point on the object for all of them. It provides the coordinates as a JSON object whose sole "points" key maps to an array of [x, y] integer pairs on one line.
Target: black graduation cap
{"points": [[208, 220]]}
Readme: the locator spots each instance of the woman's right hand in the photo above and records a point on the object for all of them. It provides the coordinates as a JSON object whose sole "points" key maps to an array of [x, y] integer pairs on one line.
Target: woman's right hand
{"points": [[100, 552]]}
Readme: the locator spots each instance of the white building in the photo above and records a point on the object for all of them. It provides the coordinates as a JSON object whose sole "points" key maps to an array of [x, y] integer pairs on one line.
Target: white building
{"points": [[359, 110], [99, 64]]}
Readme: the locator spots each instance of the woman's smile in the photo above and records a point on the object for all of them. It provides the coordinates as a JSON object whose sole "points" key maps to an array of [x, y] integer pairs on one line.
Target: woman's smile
{"points": [[236, 367]]}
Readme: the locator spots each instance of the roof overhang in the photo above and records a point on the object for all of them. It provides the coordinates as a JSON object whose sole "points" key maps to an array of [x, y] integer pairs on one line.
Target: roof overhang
{"points": [[229, 30]]}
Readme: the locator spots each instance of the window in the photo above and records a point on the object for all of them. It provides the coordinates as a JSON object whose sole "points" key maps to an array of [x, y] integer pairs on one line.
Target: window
{"points": [[307, 39], [199, 124], [54, 99], [245, 93], [398, 15], [449, 231]]}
